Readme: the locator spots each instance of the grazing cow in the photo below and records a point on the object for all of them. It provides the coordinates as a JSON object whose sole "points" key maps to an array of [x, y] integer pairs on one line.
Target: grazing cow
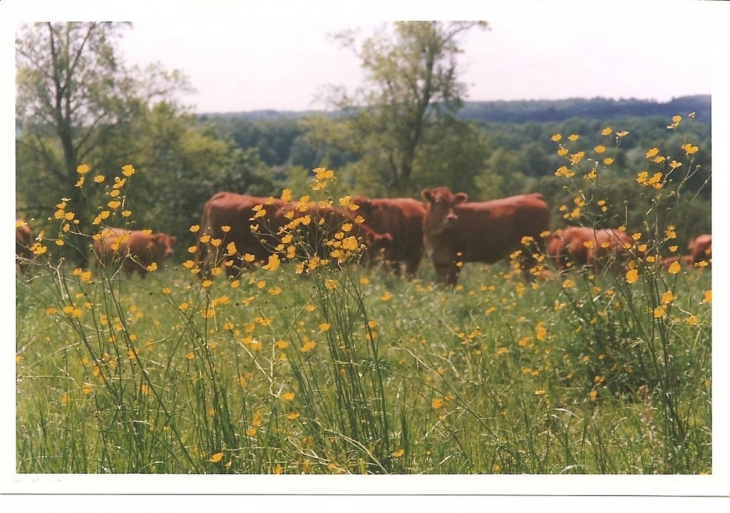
{"points": [[456, 232], [23, 243], [583, 246], [137, 249], [403, 219], [700, 248], [239, 212]]}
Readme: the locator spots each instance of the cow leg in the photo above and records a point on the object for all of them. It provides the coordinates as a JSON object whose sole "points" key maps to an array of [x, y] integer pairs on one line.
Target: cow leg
{"points": [[442, 273], [411, 268]]}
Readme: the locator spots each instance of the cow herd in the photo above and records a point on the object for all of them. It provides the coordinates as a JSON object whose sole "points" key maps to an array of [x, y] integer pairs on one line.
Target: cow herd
{"points": [[450, 229]]}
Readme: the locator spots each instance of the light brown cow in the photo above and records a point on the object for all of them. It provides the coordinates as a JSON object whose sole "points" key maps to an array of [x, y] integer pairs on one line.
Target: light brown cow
{"points": [[403, 219], [240, 212], [700, 248], [136, 249], [23, 243], [584, 246], [455, 231]]}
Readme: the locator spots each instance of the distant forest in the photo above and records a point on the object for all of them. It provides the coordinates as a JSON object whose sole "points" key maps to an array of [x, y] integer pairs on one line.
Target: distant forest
{"points": [[538, 111]]}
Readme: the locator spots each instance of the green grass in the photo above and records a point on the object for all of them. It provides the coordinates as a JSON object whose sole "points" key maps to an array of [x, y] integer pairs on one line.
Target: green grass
{"points": [[493, 377]]}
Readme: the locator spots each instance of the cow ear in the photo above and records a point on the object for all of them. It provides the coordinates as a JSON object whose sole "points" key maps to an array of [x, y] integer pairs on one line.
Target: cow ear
{"points": [[460, 198], [427, 195]]}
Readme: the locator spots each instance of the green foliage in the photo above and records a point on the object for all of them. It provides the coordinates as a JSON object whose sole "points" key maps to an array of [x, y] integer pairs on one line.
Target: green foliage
{"points": [[76, 104], [409, 97]]}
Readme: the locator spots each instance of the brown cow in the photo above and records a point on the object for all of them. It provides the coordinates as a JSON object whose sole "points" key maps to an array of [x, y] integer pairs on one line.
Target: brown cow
{"points": [[23, 243], [456, 231], [700, 249], [236, 211], [240, 212], [137, 249], [584, 246], [403, 219]]}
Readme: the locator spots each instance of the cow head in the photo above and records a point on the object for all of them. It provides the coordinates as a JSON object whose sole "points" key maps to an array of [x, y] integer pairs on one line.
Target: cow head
{"points": [[162, 245], [378, 243], [441, 202], [366, 206]]}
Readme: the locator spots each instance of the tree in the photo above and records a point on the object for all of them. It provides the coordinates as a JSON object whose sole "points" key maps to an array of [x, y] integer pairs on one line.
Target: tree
{"points": [[411, 91], [76, 104]]}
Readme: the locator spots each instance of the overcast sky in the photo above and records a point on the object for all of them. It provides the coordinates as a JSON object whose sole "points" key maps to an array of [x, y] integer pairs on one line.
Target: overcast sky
{"points": [[238, 61], [278, 55]]}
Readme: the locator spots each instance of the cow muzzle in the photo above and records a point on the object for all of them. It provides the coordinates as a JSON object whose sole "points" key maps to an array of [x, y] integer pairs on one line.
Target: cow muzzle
{"points": [[450, 220]]}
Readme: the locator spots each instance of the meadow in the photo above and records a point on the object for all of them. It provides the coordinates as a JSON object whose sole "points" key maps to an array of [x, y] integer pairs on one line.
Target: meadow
{"points": [[304, 367]]}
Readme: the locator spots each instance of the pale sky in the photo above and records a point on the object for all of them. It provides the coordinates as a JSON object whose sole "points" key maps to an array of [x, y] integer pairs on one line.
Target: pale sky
{"points": [[278, 55], [240, 62]]}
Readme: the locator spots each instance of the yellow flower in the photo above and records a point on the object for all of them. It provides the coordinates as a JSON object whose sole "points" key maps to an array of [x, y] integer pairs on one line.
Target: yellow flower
{"points": [[437, 403], [606, 131], [707, 296], [324, 327], [556, 137], [99, 178], [608, 161], [623, 133], [323, 174], [273, 264], [658, 312], [398, 453], [575, 158], [386, 297], [216, 457], [667, 297], [128, 170], [308, 346], [540, 332], [286, 195], [152, 267], [288, 396], [540, 392], [114, 204], [293, 416], [248, 258], [82, 169], [675, 268], [632, 276], [573, 137]]}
